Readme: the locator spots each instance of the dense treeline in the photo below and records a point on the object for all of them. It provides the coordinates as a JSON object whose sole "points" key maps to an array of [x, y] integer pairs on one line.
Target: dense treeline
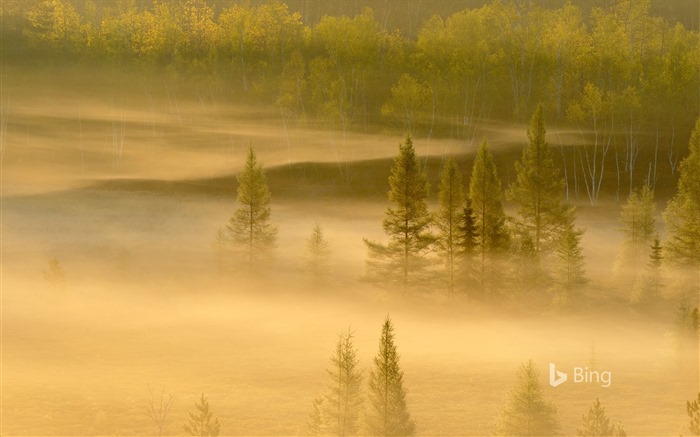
{"points": [[611, 69]]}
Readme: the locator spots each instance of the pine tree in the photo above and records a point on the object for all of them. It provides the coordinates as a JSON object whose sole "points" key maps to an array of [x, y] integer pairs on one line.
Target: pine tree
{"points": [[569, 269], [682, 215], [387, 414], [467, 245], [201, 423], [595, 423], [402, 261], [467, 232], [492, 237], [450, 221], [343, 399], [316, 424], [648, 288], [250, 227], [526, 274], [538, 191], [317, 255], [686, 324], [526, 412], [693, 409], [639, 226]]}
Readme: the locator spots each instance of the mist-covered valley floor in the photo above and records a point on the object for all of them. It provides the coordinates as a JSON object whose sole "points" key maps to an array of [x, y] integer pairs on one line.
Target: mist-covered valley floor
{"points": [[129, 195]]}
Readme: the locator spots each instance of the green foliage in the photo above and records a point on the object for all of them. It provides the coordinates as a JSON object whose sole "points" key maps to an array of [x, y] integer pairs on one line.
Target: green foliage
{"points": [[526, 412], [693, 409], [57, 24], [683, 212], [249, 226], [403, 260], [387, 414], [409, 101], [201, 423], [492, 238], [538, 191], [596, 422], [449, 220]]}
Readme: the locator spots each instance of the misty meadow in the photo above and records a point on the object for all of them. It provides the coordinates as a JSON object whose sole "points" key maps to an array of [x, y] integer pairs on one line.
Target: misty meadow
{"points": [[348, 218]]}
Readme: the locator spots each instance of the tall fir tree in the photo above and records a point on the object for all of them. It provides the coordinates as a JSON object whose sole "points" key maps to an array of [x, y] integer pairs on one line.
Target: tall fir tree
{"points": [[682, 214], [387, 414], [596, 422], [539, 191], [336, 412], [693, 409], [638, 224], [492, 238], [526, 412], [249, 228], [647, 290], [467, 246], [570, 265], [403, 260], [202, 423], [450, 222], [317, 255]]}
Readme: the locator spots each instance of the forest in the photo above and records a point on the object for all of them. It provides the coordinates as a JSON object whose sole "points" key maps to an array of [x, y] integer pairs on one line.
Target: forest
{"points": [[365, 217]]}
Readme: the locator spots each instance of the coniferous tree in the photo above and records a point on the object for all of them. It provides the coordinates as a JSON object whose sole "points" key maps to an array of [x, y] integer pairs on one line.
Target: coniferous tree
{"points": [[202, 423], [693, 409], [526, 412], [492, 238], [596, 422], [538, 191], [317, 255], [569, 267], [316, 424], [449, 220], [55, 275], [648, 288], [639, 226], [249, 228], [342, 401], [683, 212], [468, 231], [686, 324], [387, 414], [402, 261], [467, 245]]}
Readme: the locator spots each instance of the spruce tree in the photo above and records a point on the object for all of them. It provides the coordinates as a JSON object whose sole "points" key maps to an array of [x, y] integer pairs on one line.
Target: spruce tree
{"points": [[316, 424], [343, 398], [526, 412], [403, 260], [693, 409], [249, 228], [647, 291], [682, 214], [450, 221], [387, 414], [570, 266], [317, 255], [638, 224], [538, 191], [467, 245], [202, 423], [492, 238], [596, 422]]}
